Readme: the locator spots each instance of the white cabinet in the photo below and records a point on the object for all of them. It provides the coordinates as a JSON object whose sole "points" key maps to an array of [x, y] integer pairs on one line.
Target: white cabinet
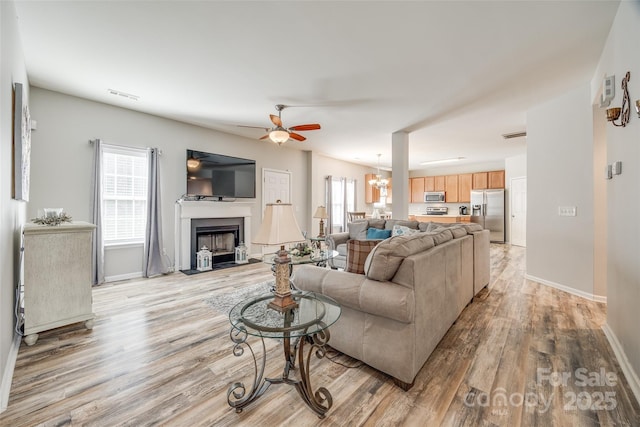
{"points": [[57, 277]]}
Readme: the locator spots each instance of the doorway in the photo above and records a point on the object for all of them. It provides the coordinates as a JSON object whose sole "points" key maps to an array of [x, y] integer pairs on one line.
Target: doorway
{"points": [[519, 211], [276, 185]]}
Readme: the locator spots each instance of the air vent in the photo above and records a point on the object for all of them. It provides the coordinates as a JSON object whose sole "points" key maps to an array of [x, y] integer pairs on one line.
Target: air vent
{"points": [[514, 135], [123, 94]]}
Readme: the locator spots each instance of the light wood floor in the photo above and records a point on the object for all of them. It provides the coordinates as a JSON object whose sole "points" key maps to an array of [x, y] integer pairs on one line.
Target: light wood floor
{"points": [[159, 355]]}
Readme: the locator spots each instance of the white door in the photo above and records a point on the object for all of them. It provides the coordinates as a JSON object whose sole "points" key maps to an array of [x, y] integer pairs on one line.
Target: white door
{"points": [[276, 185], [519, 211]]}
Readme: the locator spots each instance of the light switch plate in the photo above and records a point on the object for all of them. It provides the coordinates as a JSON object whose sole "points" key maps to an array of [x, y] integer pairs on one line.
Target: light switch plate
{"points": [[616, 168], [567, 211], [608, 173]]}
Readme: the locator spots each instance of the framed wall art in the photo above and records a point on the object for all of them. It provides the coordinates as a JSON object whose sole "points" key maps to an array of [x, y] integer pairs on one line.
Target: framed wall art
{"points": [[21, 144]]}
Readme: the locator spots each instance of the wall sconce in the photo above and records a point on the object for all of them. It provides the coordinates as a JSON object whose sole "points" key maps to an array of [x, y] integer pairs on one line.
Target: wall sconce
{"points": [[623, 113]]}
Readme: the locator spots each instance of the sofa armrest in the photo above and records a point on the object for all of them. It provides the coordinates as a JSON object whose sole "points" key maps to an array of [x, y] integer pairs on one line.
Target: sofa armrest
{"points": [[356, 291], [333, 240]]}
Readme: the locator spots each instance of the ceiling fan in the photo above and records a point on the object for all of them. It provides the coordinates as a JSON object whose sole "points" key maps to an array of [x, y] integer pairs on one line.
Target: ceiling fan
{"points": [[279, 134]]}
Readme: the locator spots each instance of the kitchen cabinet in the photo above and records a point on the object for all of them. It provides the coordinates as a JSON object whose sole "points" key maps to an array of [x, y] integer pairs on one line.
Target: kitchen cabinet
{"points": [[451, 188], [57, 277], [389, 192], [439, 183], [480, 181], [442, 218], [464, 187], [496, 179], [371, 192], [429, 183], [485, 180], [417, 189]]}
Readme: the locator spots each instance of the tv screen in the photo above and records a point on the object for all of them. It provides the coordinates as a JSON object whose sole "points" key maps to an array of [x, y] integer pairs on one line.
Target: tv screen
{"points": [[216, 175]]}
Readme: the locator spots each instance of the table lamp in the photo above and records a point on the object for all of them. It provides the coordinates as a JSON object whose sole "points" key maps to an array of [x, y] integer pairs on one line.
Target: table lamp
{"points": [[321, 212], [279, 226]]}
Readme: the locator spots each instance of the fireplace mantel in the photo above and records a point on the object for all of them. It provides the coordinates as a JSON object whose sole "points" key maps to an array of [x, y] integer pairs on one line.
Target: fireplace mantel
{"points": [[186, 210]]}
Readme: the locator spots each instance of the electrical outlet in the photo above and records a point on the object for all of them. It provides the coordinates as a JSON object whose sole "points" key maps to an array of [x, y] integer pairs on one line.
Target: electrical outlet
{"points": [[567, 211]]}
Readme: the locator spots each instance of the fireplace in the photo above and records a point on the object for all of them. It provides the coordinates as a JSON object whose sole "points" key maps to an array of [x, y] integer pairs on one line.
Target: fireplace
{"points": [[219, 235], [190, 213]]}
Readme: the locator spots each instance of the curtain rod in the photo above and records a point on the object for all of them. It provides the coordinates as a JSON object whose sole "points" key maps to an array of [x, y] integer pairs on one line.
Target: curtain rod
{"points": [[91, 141]]}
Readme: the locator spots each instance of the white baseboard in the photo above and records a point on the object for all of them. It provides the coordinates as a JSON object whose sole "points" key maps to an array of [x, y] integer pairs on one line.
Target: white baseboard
{"points": [[123, 277], [592, 297], [629, 373], [7, 376]]}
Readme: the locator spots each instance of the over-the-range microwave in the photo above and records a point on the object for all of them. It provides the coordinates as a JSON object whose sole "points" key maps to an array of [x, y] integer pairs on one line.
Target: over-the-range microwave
{"points": [[434, 196]]}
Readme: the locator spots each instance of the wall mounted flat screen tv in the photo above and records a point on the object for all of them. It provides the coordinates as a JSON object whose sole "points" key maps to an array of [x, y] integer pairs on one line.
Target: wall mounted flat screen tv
{"points": [[216, 175]]}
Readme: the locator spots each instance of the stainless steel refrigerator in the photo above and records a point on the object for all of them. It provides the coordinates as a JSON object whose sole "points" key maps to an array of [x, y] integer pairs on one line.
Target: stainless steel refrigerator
{"points": [[487, 209]]}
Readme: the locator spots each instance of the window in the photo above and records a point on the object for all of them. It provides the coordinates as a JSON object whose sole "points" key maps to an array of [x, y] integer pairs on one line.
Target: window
{"points": [[342, 193], [124, 195]]}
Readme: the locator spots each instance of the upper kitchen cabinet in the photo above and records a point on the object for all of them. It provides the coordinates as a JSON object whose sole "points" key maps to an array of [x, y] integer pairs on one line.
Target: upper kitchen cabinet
{"points": [[417, 189], [371, 192], [484, 180], [389, 192], [439, 183], [451, 188], [496, 179], [464, 187], [480, 181], [429, 183]]}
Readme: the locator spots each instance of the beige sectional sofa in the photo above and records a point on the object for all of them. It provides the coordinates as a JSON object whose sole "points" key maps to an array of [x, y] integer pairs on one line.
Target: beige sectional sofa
{"points": [[414, 288]]}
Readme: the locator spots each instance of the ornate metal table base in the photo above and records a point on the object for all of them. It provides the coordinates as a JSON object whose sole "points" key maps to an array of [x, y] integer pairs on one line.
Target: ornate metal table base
{"points": [[319, 401]]}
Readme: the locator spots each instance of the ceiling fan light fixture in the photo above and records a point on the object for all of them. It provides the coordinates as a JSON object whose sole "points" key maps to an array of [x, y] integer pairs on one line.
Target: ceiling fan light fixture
{"points": [[193, 163], [279, 135]]}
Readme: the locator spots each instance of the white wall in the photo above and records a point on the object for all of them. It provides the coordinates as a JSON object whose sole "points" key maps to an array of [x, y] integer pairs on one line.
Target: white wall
{"points": [[623, 194], [560, 173], [62, 162], [12, 212]]}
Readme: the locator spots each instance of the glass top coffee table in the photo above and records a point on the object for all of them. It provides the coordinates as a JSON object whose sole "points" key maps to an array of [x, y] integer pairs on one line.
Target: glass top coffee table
{"points": [[305, 325], [320, 259]]}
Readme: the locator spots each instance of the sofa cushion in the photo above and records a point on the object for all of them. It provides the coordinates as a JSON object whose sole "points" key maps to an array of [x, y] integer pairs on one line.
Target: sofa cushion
{"points": [[390, 223], [357, 251], [378, 234], [358, 229], [458, 232], [384, 260], [441, 235], [342, 249], [400, 230], [376, 223]]}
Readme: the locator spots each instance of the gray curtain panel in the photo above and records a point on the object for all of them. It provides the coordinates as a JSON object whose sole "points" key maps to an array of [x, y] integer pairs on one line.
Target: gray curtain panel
{"points": [[97, 252], [328, 199], [154, 261]]}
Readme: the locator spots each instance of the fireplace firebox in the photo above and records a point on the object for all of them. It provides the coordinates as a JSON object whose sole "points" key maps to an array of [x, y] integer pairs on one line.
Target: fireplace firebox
{"points": [[220, 235]]}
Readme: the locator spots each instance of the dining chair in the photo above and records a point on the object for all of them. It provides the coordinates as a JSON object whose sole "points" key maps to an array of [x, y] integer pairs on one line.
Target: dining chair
{"points": [[355, 215]]}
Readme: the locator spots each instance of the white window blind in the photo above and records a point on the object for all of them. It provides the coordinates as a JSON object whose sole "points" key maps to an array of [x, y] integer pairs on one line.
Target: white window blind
{"points": [[124, 196]]}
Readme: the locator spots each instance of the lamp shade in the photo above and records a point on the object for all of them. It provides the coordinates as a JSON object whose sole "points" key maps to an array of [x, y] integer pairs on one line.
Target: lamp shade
{"points": [[279, 226], [321, 212]]}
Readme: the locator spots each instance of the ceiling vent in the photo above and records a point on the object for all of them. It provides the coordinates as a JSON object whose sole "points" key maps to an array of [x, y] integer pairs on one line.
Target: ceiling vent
{"points": [[123, 94], [514, 135]]}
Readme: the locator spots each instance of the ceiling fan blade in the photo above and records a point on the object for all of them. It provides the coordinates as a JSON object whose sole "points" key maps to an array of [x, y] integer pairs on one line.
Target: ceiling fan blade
{"points": [[313, 126], [265, 137], [296, 136], [275, 120], [253, 127]]}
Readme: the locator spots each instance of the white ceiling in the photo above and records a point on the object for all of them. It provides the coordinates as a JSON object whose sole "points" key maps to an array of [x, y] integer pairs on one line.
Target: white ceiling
{"points": [[455, 74]]}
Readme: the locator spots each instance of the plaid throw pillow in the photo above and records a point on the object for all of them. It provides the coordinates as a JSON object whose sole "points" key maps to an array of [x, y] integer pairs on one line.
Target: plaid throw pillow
{"points": [[357, 251]]}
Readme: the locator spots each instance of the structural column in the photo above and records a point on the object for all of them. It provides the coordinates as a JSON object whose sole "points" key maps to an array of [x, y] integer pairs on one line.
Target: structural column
{"points": [[400, 174]]}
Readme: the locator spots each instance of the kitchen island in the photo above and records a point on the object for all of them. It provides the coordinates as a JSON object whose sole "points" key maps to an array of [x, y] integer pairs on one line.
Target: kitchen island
{"points": [[441, 218]]}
